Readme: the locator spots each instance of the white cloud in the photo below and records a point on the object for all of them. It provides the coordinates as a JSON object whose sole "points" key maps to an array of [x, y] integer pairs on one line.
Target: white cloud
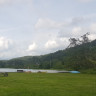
{"points": [[85, 1], [57, 44], [92, 36], [6, 1], [78, 20], [3, 1], [64, 39], [13, 1], [5, 43], [48, 24], [51, 44], [76, 31], [32, 47], [93, 27], [63, 42]]}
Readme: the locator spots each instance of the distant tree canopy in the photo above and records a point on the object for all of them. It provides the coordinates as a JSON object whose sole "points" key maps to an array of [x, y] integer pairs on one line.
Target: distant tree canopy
{"points": [[74, 42]]}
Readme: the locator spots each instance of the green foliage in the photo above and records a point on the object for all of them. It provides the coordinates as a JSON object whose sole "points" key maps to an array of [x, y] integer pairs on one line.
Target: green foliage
{"points": [[89, 71]]}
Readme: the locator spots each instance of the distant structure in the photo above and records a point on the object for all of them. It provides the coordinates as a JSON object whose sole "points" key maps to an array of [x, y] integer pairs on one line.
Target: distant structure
{"points": [[20, 71], [74, 42]]}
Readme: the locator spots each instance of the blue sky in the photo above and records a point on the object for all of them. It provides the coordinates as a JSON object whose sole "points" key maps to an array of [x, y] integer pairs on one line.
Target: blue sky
{"points": [[36, 27]]}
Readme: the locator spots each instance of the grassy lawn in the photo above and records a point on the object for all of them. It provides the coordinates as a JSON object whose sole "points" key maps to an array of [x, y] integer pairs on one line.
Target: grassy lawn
{"points": [[43, 84]]}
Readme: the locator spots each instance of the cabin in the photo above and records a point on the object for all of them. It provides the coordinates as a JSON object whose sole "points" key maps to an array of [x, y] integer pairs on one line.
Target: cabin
{"points": [[20, 71]]}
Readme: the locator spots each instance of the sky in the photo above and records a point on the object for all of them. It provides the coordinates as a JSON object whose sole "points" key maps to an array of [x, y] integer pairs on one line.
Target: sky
{"points": [[38, 27]]}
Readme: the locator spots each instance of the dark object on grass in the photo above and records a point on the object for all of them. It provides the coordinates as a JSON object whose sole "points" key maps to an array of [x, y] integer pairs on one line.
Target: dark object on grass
{"points": [[5, 74]]}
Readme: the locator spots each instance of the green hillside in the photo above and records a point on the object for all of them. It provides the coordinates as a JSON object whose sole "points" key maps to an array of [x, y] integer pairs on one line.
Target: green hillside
{"points": [[79, 58]]}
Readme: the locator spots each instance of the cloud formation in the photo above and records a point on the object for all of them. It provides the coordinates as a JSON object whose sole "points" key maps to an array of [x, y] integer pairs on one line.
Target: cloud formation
{"points": [[57, 44], [93, 27], [46, 23], [32, 47], [5, 43], [51, 44], [85, 1], [2, 2]]}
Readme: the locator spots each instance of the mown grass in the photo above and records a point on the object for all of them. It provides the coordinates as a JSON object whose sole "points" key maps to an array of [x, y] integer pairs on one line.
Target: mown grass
{"points": [[43, 84]]}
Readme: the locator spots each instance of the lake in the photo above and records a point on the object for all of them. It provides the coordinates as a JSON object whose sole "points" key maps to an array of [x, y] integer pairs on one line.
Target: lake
{"points": [[31, 70]]}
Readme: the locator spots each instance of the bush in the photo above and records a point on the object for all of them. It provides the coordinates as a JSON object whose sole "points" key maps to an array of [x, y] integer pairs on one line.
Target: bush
{"points": [[89, 71]]}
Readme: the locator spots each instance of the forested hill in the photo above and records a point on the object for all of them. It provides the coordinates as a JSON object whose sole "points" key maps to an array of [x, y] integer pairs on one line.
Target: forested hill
{"points": [[80, 57]]}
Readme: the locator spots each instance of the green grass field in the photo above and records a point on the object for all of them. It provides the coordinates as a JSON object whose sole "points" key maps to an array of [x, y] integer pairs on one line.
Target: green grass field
{"points": [[43, 84]]}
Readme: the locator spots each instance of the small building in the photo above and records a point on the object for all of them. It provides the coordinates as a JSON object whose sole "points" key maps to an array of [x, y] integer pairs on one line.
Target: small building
{"points": [[20, 71]]}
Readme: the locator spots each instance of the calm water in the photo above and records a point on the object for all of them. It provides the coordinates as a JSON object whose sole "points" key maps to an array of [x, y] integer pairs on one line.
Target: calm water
{"points": [[32, 70]]}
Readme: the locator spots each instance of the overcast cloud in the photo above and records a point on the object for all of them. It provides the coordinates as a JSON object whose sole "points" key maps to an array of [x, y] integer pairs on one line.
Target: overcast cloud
{"points": [[36, 27]]}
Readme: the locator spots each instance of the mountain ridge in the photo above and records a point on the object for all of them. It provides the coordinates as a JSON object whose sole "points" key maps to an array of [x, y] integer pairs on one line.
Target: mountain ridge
{"points": [[80, 57]]}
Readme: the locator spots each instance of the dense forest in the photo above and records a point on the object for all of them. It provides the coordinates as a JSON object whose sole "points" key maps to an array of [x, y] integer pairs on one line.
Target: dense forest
{"points": [[80, 57]]}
